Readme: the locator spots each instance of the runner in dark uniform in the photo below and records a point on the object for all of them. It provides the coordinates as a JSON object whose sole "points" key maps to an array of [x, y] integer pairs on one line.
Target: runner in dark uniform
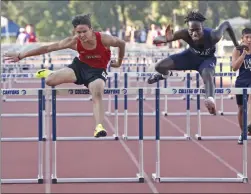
{"points": [[200, 56], [241, 60]]}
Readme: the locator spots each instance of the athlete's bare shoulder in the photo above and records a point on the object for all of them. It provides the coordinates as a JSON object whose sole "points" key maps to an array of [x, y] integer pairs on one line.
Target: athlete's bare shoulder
{"points": [[182, 34], [104, 36], [109, 40]]}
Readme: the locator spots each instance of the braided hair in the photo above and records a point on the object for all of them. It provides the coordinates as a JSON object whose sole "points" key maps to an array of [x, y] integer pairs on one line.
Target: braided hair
{"points": [[194, 16]]}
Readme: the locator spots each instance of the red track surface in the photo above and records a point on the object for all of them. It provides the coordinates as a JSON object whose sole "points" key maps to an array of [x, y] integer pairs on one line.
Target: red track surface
{"points": [[120, 158]]}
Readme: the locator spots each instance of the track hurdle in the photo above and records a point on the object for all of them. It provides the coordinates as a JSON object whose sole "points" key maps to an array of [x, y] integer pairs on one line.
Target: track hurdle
{"points": [[127, 76], [23, 92], [199, 135], [12, 92], [221, 111], [23, 76], [139, 177], [39, 139], [241, 178], [114, 92], [189, 77], [157, 121]]}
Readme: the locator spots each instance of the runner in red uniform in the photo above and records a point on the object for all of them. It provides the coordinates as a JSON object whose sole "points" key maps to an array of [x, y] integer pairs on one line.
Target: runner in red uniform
{"points": [[88, 69]]}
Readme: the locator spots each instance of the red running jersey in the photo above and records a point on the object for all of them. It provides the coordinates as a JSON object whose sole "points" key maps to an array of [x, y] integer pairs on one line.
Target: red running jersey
{"points": [[98, 57], [31, 37]]}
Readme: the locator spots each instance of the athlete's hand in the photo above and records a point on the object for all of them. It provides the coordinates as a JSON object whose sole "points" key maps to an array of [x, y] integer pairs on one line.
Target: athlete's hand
{"points": [[242, 47], [114, 64], [163, 39], [244, 53], [169, 32], [159, 40], [12, 57]]}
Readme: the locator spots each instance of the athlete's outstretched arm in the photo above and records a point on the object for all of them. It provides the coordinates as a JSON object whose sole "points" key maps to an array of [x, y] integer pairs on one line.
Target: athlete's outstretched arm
{"points": [[219, 31], [63, 44], [113, 41], [169, 36]]}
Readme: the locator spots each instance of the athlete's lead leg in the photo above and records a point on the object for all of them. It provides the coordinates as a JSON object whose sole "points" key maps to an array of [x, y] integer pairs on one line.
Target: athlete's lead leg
{"points": [[162, 67], [54, 78]]}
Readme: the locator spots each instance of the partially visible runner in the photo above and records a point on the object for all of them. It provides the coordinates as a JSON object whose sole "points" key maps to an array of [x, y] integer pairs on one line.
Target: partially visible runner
{"points": [[241, 60]]}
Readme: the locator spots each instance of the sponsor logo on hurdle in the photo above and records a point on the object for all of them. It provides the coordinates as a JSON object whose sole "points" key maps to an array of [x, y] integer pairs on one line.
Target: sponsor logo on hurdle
{"points": [[228, 91], [225, 74], [23, 92], [174, 91], [144, 74], [112, 91], [70, 91], [86, 91], [20, 75], [124, 91], [13, 92], [199, 91], [79, 91]]}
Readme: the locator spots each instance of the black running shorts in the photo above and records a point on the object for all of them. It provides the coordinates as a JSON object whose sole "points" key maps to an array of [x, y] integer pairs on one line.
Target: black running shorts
{"points": [[86, 74]]}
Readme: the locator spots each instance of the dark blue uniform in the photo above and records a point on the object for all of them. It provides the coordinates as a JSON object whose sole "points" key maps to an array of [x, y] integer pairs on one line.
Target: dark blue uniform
{"points": [[196, 57], [244, 78]]}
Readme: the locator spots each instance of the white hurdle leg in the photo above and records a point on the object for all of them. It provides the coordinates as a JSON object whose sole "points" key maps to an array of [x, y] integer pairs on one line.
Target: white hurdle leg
{"points": [[109, 112], [198, 135]]}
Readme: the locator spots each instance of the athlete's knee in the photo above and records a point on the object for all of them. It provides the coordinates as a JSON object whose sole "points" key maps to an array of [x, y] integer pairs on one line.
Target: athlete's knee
{"points": [[164, 65], [97, 89], [207, 74], [158, 67], [50, 80]]}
